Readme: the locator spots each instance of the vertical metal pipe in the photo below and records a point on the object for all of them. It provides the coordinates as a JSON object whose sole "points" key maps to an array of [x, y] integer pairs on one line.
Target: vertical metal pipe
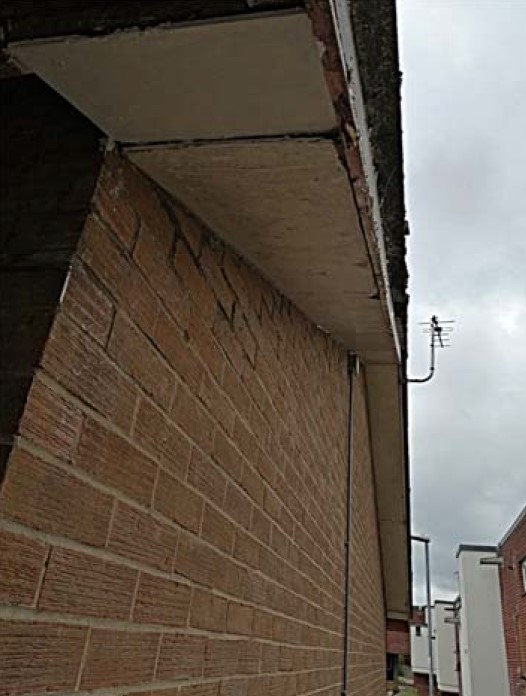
{"points": [[351, 364], [429, 621]]}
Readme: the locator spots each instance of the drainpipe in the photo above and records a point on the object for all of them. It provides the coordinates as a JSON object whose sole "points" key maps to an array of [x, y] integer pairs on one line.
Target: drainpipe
{"points": [[426, 541], [352, 364]]}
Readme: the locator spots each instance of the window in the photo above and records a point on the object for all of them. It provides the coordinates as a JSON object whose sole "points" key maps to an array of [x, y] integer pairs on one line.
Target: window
{"points": [[419, 631], [523, 572]]}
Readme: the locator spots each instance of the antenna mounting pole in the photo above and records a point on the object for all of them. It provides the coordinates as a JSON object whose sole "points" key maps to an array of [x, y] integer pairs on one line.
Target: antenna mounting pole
{"points": [[439, 336]]}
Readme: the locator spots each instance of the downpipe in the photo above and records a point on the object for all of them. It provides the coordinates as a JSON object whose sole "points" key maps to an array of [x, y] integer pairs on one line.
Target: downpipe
{"points": [[352, 366]]}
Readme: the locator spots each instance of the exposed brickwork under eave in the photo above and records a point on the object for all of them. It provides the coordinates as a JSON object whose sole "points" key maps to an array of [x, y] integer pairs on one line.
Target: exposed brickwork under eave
{"points": [[174, 506]]}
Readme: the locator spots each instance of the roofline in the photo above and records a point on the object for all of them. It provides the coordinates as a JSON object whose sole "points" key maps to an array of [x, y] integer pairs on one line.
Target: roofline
{"points": [[518, 521], [476, 547]]}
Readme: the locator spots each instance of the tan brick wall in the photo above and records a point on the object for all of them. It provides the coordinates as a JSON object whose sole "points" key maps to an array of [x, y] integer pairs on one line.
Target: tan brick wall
{"points": [[173, 512]]}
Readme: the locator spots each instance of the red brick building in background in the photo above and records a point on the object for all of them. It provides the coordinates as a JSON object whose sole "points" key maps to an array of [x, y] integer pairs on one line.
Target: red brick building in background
{"points": [[204, 455], [512, 549]]}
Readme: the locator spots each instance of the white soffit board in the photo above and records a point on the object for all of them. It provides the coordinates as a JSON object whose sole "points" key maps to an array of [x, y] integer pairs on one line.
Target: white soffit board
{"points": [[287, 206], [250, 76]]}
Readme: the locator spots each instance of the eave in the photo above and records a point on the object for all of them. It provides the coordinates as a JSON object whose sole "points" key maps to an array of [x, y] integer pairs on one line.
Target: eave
{"points": [[256, 123]]}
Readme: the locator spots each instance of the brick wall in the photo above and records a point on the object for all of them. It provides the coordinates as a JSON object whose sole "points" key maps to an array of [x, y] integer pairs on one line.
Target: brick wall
{"points": [[514, 607], [398, 638], [173, 511]]}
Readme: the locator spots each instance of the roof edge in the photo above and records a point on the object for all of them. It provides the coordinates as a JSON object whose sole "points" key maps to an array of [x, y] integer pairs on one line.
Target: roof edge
{"points": [[475, 547], [519, 520]]}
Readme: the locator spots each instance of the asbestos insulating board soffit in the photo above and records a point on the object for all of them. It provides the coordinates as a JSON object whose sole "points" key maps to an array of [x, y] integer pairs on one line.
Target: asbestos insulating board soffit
{"points": [[242, 77], [285, 205]]}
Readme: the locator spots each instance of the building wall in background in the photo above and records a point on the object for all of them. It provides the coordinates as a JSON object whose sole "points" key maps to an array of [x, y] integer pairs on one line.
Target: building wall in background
{"points": [[446, 649], [513, 590], [420, 645], [173, 510], [482, 649]]}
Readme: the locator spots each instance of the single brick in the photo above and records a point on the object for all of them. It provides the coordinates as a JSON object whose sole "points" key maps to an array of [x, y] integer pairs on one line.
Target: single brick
{"points": [[262, 625], [192, 418], [87, 304], [227, 456], [272, 504], [221, 658], [21, 564], [159, 436], [253, 484], [266, 468], [208, 611], [136, 535], [174, 344], [240, 618], [260, 525], [205, 345], [204, 475], [280, 543], [181, 656], [197, 561], [177, 502], [246, 550], [51, 420], [238, 505], [261, 429], [217, 403], [217, 529], [161, 601], [41, 495], [117, 658], [246, 442], [39, 657], [270, 657], [249, 661], [113, 461]]}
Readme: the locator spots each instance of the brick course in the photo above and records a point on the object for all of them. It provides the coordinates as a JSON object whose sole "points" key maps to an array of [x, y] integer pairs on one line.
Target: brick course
{"points": [[177, 489]]}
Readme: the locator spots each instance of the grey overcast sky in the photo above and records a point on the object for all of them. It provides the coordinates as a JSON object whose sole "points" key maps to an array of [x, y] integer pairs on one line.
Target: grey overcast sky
{"points": [[464, 122]]}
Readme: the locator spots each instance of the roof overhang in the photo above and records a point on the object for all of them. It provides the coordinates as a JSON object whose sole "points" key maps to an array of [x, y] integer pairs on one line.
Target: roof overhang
{"points": [[257, 124]]}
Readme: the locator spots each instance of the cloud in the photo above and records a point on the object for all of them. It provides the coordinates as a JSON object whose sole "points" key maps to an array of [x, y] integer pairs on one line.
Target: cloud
{"points": [[464, 110]]}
